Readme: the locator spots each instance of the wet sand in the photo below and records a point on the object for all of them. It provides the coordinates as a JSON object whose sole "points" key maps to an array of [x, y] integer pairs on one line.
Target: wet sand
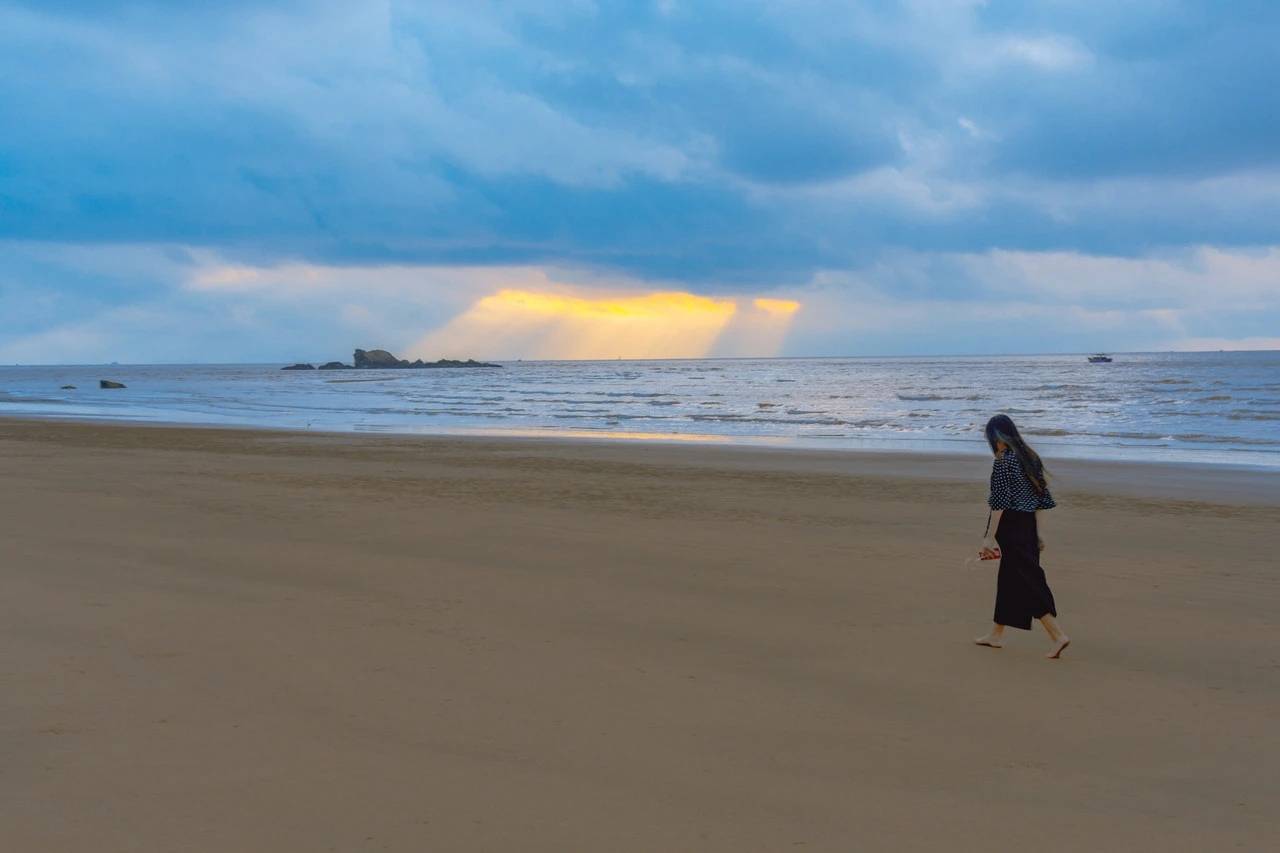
{"points": [[221, 640]]}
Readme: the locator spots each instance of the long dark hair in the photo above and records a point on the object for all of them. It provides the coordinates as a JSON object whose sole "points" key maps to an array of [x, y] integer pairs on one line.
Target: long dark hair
{"points": [[1002, 429]]}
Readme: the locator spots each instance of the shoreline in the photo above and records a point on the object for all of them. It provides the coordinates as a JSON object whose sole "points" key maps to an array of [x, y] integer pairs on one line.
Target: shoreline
{"points": [[1211, 481], [1112, 454]]}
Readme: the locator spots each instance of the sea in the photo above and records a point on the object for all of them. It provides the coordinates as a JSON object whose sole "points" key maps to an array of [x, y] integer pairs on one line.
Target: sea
{"points": [[1220, 408]]}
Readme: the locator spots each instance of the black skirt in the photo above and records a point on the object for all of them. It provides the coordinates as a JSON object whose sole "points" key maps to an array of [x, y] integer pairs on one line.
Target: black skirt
{"points": [[1022, 592]]}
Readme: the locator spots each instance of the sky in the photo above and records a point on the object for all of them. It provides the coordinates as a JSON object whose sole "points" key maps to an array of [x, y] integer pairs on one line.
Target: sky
{"points": [[284, 180]]}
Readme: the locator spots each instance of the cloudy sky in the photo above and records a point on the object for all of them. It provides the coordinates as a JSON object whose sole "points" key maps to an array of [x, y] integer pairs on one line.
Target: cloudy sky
{"points": [[271, 180]]}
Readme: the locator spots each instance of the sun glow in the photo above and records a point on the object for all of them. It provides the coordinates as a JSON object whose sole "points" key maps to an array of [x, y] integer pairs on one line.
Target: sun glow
{"points": [[779, 307], [666, 324]]}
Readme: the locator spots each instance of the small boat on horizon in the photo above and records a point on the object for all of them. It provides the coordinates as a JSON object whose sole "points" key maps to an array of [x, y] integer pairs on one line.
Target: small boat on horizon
{"points": [[1100, 358]]}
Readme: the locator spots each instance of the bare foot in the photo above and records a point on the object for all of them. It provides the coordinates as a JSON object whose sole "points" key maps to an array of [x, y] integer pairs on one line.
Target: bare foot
{"points": [[990, 642], [1059, 647]]}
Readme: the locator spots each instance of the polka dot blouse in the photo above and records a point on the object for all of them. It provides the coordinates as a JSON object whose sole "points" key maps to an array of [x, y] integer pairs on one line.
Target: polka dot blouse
{"points": [[1010, 488]]}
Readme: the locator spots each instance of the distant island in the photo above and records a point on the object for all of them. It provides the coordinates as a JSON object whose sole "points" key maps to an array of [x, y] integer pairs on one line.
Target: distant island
{"points": [[380, 359]]}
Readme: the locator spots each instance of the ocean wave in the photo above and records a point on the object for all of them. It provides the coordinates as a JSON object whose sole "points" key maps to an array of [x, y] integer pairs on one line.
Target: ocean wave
{"points": [[639, 395], [1066, 386], [613, 416], [569, 401], [1205, 438], [757, 419], [430, 398], [1066, 433], [10, 398], [924, 398], [1198, 437], [460, 413]]}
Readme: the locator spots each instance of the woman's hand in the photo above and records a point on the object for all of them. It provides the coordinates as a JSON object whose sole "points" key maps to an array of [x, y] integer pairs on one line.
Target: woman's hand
{"points": [[1040, 543], [989, 549]]}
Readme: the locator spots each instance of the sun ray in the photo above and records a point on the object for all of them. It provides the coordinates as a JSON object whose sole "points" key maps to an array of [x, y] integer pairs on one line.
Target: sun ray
{"points": [[529, 324], [759, 330]]}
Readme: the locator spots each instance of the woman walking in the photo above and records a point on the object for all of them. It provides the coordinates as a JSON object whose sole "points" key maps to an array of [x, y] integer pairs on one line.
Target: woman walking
{"points": [[1018, 495]]}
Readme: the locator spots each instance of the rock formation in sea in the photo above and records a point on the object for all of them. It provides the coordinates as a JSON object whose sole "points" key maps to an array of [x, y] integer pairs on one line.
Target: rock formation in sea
{"points": [[107, 383], [375, 359], [380, 359]]}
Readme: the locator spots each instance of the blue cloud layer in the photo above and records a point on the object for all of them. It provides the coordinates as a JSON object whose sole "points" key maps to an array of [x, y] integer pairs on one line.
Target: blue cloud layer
{"points": [[726, 145]]}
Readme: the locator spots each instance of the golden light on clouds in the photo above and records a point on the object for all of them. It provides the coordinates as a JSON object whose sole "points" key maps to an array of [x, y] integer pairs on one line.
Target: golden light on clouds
{"points": [[781, 307], [525, 312], [554, 325]]}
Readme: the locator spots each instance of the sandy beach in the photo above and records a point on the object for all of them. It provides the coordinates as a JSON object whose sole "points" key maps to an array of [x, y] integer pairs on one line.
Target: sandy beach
{"points": [[219, 640]]}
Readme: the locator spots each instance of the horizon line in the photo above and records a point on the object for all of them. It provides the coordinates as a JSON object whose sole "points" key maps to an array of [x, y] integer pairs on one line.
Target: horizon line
{"points": [[611, 360]]}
